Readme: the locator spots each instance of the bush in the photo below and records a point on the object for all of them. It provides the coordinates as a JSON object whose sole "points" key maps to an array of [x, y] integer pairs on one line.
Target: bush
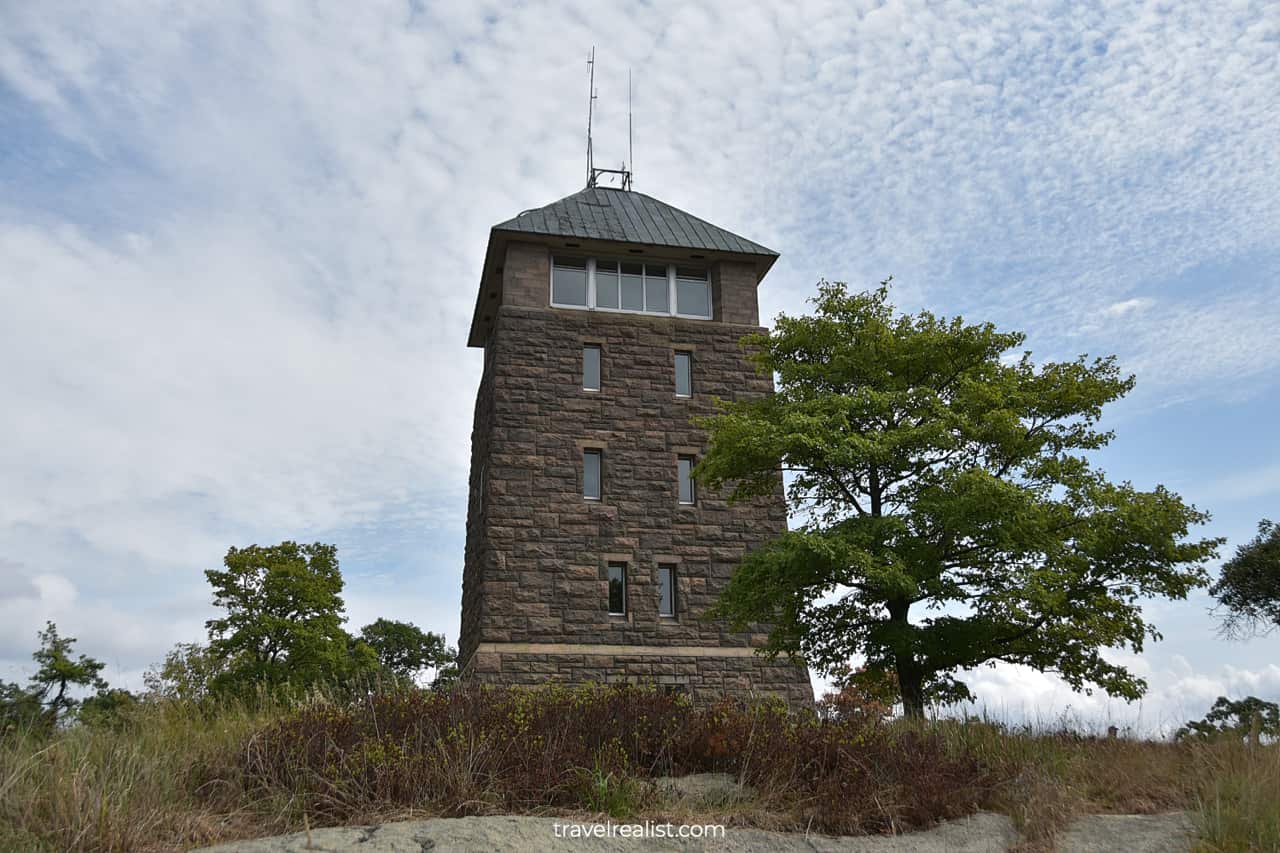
{"points": [[483, 750]]}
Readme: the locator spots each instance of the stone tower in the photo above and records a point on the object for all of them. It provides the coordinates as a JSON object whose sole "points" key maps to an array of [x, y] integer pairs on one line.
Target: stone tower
{"points": [[609, 319]]}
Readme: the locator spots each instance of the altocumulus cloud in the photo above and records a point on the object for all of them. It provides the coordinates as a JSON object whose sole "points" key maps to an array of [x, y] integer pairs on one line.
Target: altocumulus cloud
{"points": [[239, 242]]}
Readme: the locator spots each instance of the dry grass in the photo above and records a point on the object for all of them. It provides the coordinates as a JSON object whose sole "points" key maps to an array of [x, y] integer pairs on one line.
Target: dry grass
{"points": [[167, 779], [175, 775], [1237, 796], [1050, 777]]}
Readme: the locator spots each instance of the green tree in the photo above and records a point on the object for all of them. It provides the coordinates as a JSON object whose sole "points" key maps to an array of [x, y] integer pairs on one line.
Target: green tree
{"points": [[58, 673], [947, 515], [107, 708], [1236, 718], [447, 675], [1248, 588], [404, 649], [20, 709], [187, 673], [284, 618]]}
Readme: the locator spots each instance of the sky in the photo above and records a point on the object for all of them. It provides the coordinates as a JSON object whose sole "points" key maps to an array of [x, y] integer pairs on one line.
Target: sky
{"points": [[240, 245]]}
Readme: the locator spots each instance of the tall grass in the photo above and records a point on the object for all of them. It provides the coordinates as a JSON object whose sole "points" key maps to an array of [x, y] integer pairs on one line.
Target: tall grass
{"points": [[174, 775], [1236, 804], [1049, 776], [168, 776]]}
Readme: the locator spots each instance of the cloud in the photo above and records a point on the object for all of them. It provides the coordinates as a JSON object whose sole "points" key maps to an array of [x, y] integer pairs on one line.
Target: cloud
{"points": [[1128, 306], [241, 241], [1256, 482], [1176, 693]]}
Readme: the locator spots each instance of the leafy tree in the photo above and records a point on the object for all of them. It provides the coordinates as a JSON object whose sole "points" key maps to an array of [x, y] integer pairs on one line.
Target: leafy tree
{"points": [[107, 708], [284, 618], [404, 649], [20, 709], [1236, 718], [447, 675], [58, 672], [1248, 588], [949, 518], [188, 672]]}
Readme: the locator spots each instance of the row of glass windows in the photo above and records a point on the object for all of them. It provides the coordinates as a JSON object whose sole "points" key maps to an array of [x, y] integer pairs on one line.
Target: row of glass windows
{"points": [[618, 590], [629, 286], [591, 355], [593, 476]]}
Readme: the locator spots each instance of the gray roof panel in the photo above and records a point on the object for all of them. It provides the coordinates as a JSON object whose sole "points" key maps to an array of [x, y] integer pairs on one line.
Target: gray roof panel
{"points": [[624, 216]]}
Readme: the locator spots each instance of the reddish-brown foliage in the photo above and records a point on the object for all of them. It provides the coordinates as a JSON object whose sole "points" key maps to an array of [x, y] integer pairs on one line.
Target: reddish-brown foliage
{"points": [[478, 750]]}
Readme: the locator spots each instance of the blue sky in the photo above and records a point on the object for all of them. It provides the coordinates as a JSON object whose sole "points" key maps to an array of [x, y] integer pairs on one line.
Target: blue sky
{"points": [[239, 246]]}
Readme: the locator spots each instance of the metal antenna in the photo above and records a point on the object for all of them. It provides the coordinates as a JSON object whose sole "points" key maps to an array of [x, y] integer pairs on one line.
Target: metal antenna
{"points": [[593, 174], [631, 154], [591, 100]]}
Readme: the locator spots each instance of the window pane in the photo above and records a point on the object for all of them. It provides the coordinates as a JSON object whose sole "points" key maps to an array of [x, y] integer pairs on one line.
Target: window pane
{"points": [[666, 591], [591, 474], [693, 297], [684, 374], [656, 291], [686, 479], [618, 588], [569, 282], [691, 272], [632, 287], [591, 368], [606, 285]]}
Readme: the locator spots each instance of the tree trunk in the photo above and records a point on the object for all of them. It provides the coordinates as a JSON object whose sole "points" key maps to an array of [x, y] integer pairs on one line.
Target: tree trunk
{"points": [[911, 684], [910, 675]]}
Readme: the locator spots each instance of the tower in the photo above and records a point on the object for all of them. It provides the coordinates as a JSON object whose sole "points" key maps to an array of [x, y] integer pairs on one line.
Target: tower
{"points": [[609, 320]]}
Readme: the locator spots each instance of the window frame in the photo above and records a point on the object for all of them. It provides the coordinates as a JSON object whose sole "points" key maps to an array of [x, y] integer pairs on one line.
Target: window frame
{"points": [[609, 567], [693, 484], [711, 307], [591, 305], [688, 354], [598, 453], [599, 350], [670, 568], [591, 279]]}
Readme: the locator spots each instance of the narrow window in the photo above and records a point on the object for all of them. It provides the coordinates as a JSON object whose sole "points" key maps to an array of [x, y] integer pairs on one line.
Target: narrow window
{"points": [[685, 467], [591, 466], [666, 590], [617, 589], [606, 284], [693, 293], [591, 367], [569, 282], [657, 289], [684, 374], [632, 287]]}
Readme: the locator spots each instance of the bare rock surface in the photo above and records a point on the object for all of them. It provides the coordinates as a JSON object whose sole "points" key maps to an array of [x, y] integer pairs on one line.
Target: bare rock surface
{"points": [[980, 833], [705, 789], [1131, 833]]}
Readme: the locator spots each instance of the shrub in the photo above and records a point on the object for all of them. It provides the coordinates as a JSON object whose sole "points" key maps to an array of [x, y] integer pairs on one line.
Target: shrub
{"points": [[485, 750]]}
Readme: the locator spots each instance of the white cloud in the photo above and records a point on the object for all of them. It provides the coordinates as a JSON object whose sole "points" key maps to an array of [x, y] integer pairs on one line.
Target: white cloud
{"points": [[241, 241], [1176, 693], [1128, 306], [1256, 482]]}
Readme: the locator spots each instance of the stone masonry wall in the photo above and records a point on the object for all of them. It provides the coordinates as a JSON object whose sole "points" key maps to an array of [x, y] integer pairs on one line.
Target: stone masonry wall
{"points": [[537, 551], [704, 679]]}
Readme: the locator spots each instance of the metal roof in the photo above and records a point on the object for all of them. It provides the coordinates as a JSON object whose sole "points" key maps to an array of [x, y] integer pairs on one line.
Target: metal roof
{"points": [[626, 216]]}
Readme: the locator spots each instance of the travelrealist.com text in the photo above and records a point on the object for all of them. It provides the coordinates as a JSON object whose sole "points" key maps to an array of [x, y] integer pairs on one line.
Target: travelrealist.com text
{"points": [[648, 829]]}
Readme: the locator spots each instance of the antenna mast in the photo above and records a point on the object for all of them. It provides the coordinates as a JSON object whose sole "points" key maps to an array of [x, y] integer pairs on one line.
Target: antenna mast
{"points": [[631, 154], [593, 174], [591, 101]]}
